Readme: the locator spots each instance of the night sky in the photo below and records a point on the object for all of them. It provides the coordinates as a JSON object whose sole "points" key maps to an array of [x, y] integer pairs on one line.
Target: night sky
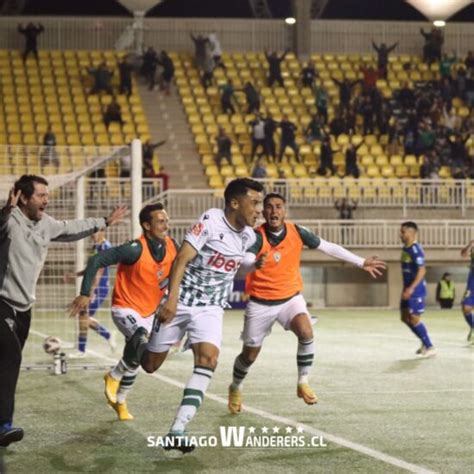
{"points": [[336, 9]]}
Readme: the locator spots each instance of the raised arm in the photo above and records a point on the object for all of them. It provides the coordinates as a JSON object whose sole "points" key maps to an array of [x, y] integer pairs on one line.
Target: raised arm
{"points": [[394, 45], [375, 46], [5, 212]]}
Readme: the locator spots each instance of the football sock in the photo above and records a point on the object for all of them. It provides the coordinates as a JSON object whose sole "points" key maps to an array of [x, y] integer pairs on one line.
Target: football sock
{"points": [[241, 369], [304, 359], [193, 396], [81, 343], [102, 331], [120, 370], [126, 384], [469, 320], [421, 331]]}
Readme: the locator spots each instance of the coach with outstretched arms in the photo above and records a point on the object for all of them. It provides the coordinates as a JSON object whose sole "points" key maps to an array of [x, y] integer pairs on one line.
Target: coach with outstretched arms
{"points": [[25, 234]]}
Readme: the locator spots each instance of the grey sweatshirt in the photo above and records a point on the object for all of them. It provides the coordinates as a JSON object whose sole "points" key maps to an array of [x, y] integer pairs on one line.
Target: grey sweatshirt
{"points": [[23, 248]]}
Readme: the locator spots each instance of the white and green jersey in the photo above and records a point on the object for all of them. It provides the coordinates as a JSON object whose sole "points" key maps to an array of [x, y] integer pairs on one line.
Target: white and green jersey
{"points": [[209, 276]]}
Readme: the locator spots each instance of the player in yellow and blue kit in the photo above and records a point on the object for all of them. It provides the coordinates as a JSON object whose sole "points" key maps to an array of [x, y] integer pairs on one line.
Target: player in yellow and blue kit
{"points": [[468, 300], [412, 304]]}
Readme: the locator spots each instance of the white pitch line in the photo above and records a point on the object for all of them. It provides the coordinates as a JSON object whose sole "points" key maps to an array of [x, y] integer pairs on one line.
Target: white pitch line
{"points": [[386, 458]]}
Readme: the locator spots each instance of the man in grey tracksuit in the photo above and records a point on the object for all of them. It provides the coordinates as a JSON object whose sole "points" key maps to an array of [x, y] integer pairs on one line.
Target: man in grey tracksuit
{"points": [[25, 234]]}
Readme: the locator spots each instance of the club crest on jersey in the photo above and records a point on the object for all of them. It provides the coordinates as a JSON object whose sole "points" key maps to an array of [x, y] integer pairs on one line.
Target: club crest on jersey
{"points": [[277, 256], [244, 242]]}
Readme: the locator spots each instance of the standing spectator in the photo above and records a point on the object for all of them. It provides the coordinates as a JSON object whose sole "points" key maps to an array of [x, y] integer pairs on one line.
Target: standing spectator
{"points": [[148, 151], [371, 77], [445, 292], [314, 130], [207, 71], [168, 71], [49, 154], [288, 130], [200, 49], [26, 232], [259, 171], [308, 75], [224, 146], [382, 57], [406, 96], [113, 113], [31, 33], [252, 97], [345, 92], [102, 77], [321, 99], [227, 94], [274, 67], [165, 177], [352, 168], [125, 73], [258, 135], [433, 44], [148, 69], [346, 208], [326, 158], [367, 111], [270, 129], [216, 50], [445, 66], [469, 62]]}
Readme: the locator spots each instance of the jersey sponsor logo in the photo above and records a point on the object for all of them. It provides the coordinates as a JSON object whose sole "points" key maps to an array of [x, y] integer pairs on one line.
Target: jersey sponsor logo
{"points": [[197, 228], [218, 260]]}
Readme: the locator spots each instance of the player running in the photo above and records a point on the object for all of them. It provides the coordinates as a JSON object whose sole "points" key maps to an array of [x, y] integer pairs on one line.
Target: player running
{"points": [[412, 304], [141, 281], [275, 294], [468, 299]]}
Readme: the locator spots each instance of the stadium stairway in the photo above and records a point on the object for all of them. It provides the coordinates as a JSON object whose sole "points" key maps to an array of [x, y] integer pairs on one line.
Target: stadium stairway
{"points": [[167, 121]]}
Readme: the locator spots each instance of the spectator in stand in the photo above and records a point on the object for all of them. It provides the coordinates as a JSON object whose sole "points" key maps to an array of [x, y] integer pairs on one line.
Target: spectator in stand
{"points": [[352, 168], [321, 99], [125, 73], [165, 177], [200, 49], [102, 77], [274, 67], [308, 75], [149, 65], [314, 130], [168, 71], [270, 129], [148, 153], [445, 66], [345, 92], [346, 208], [216, 50], [49, 154], [326, 157], [367, 111], [113, 113], [406, 96], [227, 94], [259, 171], [371, 76], [31, 33], [337, 125], [258, 135], [460, 83], [446, 92], [224, 145], [207, 71], [433, 45], [252, 97], [288, 137], [469, 62], [382, 57], [470, 90], [459, 152]]}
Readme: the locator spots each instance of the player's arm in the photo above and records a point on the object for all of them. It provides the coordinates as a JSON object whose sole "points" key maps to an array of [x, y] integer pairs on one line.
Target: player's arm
{"points": [[127, 253], [466, 251], [168, 310], [6, 210], [250, 262], [420, 275]]}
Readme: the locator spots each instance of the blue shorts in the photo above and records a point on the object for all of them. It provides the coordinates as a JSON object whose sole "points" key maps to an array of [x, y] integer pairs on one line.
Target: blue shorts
{"points": [[414, 305], [100, 293], [468, 298]]}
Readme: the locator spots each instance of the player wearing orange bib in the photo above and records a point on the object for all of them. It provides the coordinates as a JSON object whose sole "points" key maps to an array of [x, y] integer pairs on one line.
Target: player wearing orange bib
{"points": [[274, 286], [141, 281]]}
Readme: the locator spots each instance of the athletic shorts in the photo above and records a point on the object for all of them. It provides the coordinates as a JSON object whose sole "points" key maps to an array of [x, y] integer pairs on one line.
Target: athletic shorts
{"points": [[259, 318], [200, 323], [128, 321], [414, 305], [100, 293], [468, 298]]}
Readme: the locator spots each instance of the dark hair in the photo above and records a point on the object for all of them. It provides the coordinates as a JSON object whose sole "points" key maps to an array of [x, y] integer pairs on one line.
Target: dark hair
{"points": [[239, 187], [273, 195], [26, 184], [410, 225], [145, 213]]}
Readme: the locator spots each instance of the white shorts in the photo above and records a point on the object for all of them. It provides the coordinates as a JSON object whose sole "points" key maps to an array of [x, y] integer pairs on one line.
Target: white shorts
{"points": [[201, 323], [128, 321], [259, 318]]}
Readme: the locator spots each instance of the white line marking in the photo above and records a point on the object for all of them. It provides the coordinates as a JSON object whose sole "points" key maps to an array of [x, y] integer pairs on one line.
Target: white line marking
{"points": [[289, 422]]}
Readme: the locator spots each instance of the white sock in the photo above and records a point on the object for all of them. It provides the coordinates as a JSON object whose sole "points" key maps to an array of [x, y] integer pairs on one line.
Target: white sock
{"points": [[119, 370]]}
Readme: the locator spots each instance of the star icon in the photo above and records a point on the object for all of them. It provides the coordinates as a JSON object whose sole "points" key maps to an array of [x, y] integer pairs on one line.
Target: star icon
{"points": [[276, 429], [300, 429], [252, 429], [264, 429], [289, 429]]}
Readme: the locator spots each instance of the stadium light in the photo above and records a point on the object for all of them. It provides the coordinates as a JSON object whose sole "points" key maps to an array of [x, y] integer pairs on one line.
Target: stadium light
{"points": [[439, 23], [290, 20], [439, 9]]}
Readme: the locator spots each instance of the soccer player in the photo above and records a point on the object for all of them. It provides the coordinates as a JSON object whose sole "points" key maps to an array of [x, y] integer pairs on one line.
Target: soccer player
{"points": [[26, 232], [412, 304], [141, 281], [101, 290], [275, 294], [200, 282], [468, 300]]}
